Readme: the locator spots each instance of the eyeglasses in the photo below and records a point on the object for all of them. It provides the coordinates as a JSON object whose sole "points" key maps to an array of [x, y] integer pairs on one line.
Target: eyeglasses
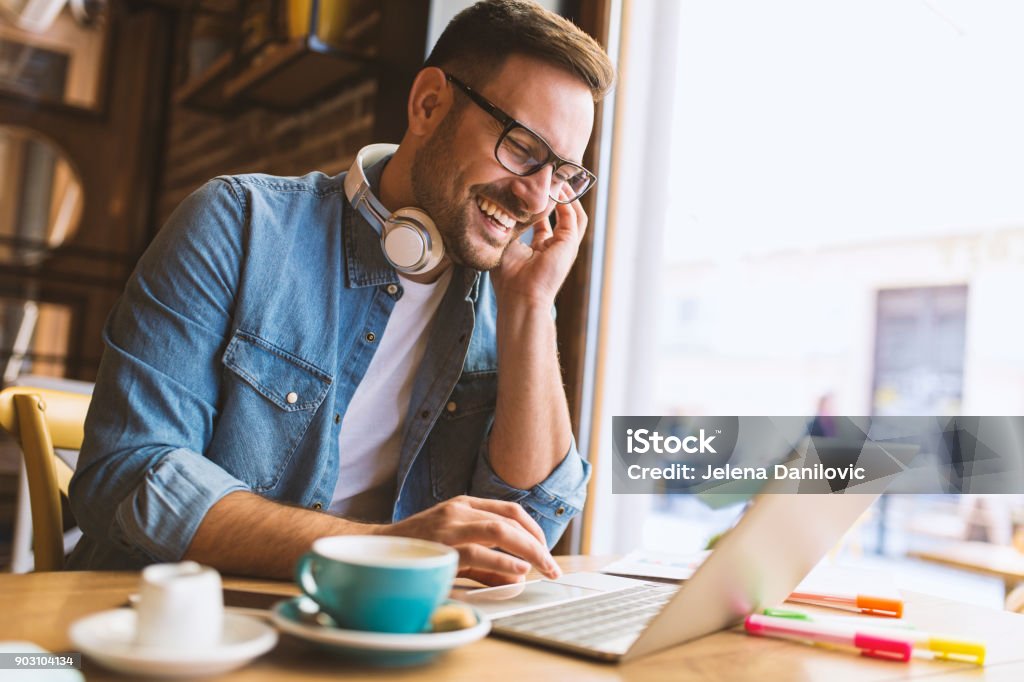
{"points": [[521, 151]]}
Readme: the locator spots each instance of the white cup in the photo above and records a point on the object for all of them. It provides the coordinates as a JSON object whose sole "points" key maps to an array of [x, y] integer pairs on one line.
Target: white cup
{"points": [[181, 607]]}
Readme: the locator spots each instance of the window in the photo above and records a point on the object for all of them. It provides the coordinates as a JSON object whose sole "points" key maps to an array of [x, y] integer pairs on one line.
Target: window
{"points": [[919, 357], [811, 199], [58, 59]]}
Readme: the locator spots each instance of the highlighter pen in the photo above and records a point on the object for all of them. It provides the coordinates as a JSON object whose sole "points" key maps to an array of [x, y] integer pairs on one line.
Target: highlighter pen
{"points": [[941, 646], [860, 621], [873, 645], [882, 606]]}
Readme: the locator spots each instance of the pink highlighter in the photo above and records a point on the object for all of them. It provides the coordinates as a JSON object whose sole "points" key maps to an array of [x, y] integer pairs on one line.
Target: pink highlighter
{"points": [[828, 634]]}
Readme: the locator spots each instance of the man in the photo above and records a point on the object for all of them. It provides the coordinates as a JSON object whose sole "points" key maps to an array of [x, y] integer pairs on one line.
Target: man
{"points": [[270, 378]]}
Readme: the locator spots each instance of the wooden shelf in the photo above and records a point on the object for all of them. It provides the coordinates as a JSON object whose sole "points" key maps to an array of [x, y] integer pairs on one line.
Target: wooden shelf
{"points": [[221, 7], [207, 90], [287, 76]]}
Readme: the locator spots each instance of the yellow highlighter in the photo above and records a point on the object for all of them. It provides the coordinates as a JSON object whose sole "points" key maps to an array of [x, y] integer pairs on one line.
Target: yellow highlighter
{"points": [[944, 647]]}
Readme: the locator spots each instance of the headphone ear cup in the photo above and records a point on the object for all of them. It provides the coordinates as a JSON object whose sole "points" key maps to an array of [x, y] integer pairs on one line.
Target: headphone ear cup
{"points": [[411, 241]]}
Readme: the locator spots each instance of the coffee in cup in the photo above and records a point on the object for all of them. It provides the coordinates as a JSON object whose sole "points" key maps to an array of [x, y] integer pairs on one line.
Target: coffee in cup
{"points": [[376, 582]]}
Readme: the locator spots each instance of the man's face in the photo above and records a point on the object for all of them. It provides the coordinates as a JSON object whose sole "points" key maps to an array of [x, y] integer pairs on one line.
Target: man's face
{"points": [[455, 171]]}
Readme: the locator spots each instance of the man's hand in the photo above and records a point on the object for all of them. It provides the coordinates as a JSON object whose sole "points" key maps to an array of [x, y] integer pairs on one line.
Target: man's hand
{"points": [[477, 528], [536, 272]]}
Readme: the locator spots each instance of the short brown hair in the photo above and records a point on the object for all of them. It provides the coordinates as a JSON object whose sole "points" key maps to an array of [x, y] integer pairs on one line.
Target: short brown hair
{"points": [[479, 39]]}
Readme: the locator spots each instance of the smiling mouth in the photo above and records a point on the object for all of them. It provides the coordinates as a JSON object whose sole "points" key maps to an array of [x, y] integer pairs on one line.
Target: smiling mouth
{"points": [[495, 215]]}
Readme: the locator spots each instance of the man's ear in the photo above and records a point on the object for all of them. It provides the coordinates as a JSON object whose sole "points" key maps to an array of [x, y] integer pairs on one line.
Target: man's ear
{"points": [[430, 100]]}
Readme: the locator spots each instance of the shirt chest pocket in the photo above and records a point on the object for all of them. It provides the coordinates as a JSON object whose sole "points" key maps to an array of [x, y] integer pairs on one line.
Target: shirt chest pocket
{"points": [[475, 393], [455, 440], [269, 399]]}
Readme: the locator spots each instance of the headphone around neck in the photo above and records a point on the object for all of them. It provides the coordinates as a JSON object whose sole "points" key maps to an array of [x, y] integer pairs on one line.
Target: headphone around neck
{"points": [[408, 237]]}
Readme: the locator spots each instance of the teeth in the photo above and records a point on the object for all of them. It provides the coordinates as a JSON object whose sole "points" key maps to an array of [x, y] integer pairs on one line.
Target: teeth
{"points": [[492, 210]]}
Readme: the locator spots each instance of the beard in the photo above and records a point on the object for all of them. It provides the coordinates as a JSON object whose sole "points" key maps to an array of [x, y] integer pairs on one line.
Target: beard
{"points": [[435, 185]]}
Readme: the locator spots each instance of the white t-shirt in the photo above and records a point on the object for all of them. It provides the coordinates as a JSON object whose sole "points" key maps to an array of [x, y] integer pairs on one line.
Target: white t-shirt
{"points": [[371, 431]]}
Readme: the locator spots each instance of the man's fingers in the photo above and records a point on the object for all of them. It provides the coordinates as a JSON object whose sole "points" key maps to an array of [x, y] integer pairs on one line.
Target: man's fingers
{"points": [[566, 220], [481, 560], [515, 248], [493, 531], [475, 525], [489, 578], [581, 217], [511, 510], [541, 233]]}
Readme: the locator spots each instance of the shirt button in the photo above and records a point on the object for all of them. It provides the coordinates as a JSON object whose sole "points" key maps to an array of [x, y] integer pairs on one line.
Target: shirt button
{"points": [[451, 407], [337, 419], [392, 289], [292, 398], [317, 506], [462, 338], [371, 337], [424, 414]]}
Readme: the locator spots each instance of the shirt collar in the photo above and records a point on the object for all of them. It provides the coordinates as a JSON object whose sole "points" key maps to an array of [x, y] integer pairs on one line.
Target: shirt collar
{"points": [[471, 280], [365, 264]]}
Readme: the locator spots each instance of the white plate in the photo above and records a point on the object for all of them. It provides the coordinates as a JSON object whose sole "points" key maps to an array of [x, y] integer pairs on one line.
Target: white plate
{"points": [[109, 638], [379, 648]]}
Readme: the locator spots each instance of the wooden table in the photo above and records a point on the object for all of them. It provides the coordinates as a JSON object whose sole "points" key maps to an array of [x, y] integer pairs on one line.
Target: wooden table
{"points": [[997, 561], [40, 607]]}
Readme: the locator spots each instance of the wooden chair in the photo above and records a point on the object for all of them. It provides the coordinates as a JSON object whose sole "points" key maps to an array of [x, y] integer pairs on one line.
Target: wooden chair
{"points": [[40, 420]]}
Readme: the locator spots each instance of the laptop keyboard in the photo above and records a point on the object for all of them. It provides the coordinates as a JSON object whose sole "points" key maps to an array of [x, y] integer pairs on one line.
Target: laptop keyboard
{"points": [[591, 621]]}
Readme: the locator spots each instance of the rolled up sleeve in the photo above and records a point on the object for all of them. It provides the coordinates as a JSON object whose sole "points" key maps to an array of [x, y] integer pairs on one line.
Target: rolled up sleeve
{"points": [[160, 516], [552, 503], [144, 480]]}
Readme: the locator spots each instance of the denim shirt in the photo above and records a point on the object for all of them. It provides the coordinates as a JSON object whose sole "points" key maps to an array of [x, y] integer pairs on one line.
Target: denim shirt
{"points": [[233, 354]]}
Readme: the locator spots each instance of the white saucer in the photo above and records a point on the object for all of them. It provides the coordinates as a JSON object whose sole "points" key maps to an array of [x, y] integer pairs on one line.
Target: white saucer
{"points": [[377, 648], [109, 638]]}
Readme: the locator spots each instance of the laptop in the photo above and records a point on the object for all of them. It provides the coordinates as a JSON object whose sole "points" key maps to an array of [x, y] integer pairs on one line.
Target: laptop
{"points": [[757, 564]]}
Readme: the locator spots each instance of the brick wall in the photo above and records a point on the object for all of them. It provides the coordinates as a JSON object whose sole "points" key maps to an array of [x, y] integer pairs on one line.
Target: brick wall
{"points": [[322, 137]]}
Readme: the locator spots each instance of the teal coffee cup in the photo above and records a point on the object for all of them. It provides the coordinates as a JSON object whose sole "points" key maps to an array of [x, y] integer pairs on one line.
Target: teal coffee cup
{"points": [[376, 582]]}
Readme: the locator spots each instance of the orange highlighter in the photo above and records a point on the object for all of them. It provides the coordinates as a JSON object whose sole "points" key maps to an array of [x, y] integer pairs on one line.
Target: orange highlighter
{"points": [[878, 606]]}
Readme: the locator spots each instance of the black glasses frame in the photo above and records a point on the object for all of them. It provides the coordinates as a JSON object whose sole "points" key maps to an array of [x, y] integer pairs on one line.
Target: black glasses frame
{"points": [[509, 124]]}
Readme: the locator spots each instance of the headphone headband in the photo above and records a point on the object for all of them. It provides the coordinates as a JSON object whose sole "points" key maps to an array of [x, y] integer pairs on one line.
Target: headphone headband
{"points": [[414, 245], [357, 187]]}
